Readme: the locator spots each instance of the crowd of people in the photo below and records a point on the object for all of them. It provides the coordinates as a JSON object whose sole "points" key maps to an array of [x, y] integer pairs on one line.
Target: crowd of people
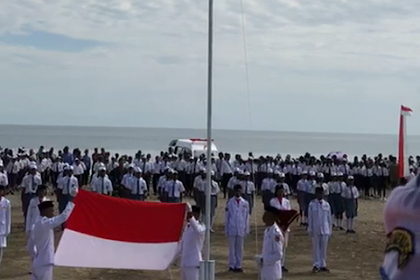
{"points": [[334, 182]]}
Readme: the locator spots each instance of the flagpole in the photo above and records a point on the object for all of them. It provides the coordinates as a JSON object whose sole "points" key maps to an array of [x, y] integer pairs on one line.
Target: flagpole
{"points": [[207, 267]]}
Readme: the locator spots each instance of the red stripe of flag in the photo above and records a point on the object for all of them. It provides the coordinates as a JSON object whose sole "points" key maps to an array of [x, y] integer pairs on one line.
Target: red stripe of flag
{"points": [[126, 220], [405, 109]]}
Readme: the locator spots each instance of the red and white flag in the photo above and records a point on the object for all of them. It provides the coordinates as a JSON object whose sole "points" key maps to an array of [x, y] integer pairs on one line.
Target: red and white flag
{"points": [[403, 165], [109, 232]]}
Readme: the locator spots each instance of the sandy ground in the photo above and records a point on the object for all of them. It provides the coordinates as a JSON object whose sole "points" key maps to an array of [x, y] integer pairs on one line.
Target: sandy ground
{"points": [[355, 256]]}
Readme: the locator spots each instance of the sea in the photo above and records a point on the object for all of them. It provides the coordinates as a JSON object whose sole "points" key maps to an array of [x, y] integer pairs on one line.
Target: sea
{"points": [[128, 140]]}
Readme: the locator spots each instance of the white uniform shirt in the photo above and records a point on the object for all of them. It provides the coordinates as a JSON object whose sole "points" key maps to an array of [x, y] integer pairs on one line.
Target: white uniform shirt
{"points": [[161, 183], [283, 205], [226, 168], [248, 187], [192, 243], [319, 218], [199, 183], [4, 181], [68, 185], [41, 240], [268, 184], [125, 181], [233, 181], [350, 192], [174, 188], [102, 185], [237, 217], [31, 182], [138, 186], [33, 212], [272, 253], [5, 218], [78, 169]]}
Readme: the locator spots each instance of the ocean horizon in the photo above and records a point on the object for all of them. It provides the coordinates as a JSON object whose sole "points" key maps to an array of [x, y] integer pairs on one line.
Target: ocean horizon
{"points": [[128, 140]]}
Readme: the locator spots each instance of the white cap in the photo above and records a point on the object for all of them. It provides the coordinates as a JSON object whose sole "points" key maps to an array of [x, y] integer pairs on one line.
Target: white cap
{"points": [[339, 174], [282, 175], [32, 166], [333, 174], [401, 220], [312, 173], [320, 175], [131, 165], [246, 173], [102, 168], [69, 167], [277, 172], [270, 170], [304, 172], [212, 173], [237, 170], [137, 169], [350, 178]]}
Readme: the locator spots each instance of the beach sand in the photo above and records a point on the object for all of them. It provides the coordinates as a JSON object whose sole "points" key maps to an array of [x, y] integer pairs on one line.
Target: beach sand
{"points": [[355, 256]]}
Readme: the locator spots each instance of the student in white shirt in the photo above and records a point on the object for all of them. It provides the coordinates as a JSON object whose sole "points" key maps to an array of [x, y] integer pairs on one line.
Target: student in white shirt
{"points": [[236, 228], [350, 196], [5, 220], [41, 241], [30, 183], [319, 229], [138, 185], [174, 188], [191, 245], [102, 184]]}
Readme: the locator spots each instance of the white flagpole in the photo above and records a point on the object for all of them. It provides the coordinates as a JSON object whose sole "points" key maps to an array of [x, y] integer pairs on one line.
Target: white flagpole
{"points": [[207, 267]]}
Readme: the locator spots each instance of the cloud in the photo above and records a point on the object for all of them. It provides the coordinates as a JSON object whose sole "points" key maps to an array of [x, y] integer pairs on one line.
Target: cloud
{"points": [[128, 52]]}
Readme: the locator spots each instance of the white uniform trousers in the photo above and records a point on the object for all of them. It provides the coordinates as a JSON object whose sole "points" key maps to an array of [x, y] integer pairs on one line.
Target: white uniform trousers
{"points": [[319, 245], [236, 248], [286, 242], [44, 272], [190, 273]]}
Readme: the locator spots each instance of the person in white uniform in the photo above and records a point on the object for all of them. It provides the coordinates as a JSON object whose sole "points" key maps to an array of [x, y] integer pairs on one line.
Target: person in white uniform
{"points": [[269, 262], [236, 228], [102, 184], [33, 212], [280, 202], [401, 219], [5, 221], [319, 229], [138, 185], [191, 245], [29, 185], [42, 239]]}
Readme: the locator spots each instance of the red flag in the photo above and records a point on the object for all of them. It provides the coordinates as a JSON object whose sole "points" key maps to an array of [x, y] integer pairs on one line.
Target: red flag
{"points": [[109, 232]]}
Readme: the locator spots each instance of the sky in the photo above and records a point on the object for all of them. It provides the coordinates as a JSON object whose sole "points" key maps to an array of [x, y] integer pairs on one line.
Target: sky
{"points": [[319, 65]]}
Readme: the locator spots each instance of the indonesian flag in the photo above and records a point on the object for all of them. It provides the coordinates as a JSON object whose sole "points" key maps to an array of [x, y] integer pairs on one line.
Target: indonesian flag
{"points": [[403, 166], [109, 232]]}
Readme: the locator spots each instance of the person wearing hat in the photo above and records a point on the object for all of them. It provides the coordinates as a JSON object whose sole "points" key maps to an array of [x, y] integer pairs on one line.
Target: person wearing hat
{"points": [[214, 191], [401, 220], [162, 183], [102, 184], [5, 220], [270, 260], [350, 196], [268, 185], [13, 168], [233, 181], [33, 211], [41, 240], [191, 245], [226, 171], [67, 188], [126, 180], [96, 174], [331, 196], [236, 228], [321, 183], [29, 186], [173, 188], [156, 173], [319, 229], [199, 186], [138, 185], [281, 180], [248, 190], [338, 200], [302, 186]]}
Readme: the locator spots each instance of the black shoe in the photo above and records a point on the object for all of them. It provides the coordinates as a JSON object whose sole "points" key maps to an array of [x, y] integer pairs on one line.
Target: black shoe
{"points": [[231, 269], [239, 270], [324, 269], [341, 228], [352, 231], [348, 231], [285, 270], [315, 269]]}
